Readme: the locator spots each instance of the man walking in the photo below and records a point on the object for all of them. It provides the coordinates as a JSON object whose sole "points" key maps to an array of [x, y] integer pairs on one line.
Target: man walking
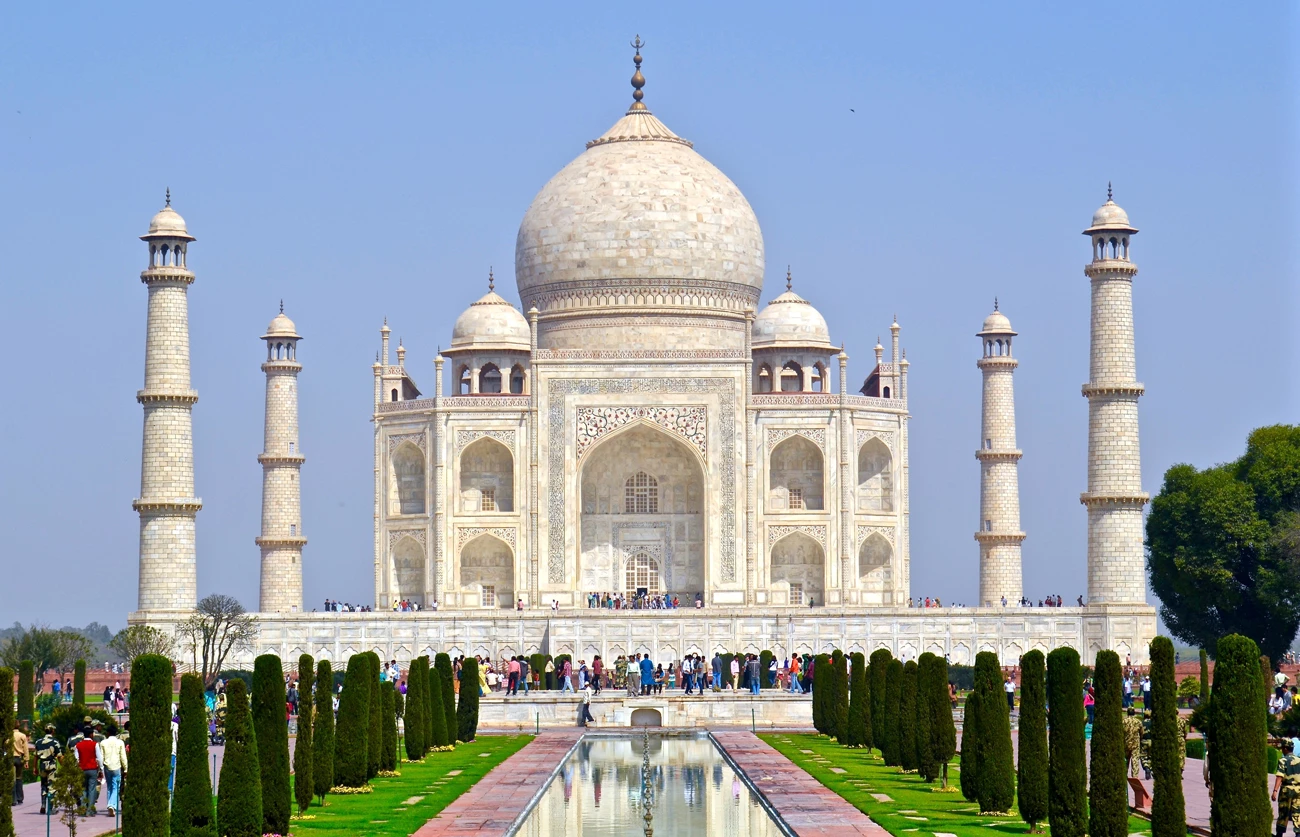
{"points": [[752, 670], [735, 673], [113, 753], [584, 707], [647, 675], [89, 758], [717, 671], [1010, 688], [566, 671], [794, 675], [48, 750], [597, 673], [525, 672], [19, 746], [512, 677], [634, 675]]}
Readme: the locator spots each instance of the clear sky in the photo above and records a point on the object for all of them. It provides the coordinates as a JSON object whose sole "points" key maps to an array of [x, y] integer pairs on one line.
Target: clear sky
{"points": [[362, 161]]}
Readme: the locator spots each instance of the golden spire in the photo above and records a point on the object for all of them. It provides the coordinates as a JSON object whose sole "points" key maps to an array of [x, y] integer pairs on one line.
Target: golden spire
{"points": [[638, 80]]}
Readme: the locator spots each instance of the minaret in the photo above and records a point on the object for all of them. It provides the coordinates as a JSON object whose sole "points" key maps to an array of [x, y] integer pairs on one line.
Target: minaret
{"points": [[167, 505], [282, 539], [999, 535], [1116, 563]]}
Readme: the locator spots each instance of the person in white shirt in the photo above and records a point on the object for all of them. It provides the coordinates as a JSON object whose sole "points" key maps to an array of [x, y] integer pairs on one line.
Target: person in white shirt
{"points": [[1010, 688], [113, 761], [584, 707]]}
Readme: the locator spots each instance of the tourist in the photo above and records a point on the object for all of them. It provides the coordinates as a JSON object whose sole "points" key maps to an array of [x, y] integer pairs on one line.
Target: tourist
{"points": [[794, 675], [89, 759], [634, 675], [735, 673], [809, 664], [19, 745], [525, 671], [772, 672], [512, 675], [647, 675], [566, 671], [113, 753], [1089, 703], [688, 674], [48, 749], [598, 672], [659, 678], [584, 708], [753, 674], [67, 689], [1146, 692], [1010, 688], [620, 672], [57, 690], [716, 685]]}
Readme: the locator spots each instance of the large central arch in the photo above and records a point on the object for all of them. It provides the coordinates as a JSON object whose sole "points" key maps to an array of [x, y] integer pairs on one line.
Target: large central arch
{"points": [[641, 500]]}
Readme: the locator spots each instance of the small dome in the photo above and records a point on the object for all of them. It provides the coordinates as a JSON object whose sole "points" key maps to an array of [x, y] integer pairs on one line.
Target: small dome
{"points": [[1110, 217], [790, 321], [168, 223], [996, 323], [281, 326], [491, 323]]}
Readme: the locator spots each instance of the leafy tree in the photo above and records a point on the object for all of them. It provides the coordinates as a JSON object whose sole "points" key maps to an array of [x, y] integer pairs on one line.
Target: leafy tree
{"points": [[1205, 677], [876, 670], [1224, 545], [218, 627], [997, 777], [1238, 744], [413, 720], [859, 703], [239, 789], [893, 700], [351, 759], [375, 735], [48, 649], [1189, 687], [303, 786], [6, 763], [907, 755], [134, 640], [79, 682], [388, 756], [66, 789], [1067, 794], [839, 707], [1168, 815], [447, 679], [322, 732], [1107, 790], [467, 710], [1031, 771], [943, 729], [192, 812], [26, 690], [272, 742], [442, 735], [926, 764]]}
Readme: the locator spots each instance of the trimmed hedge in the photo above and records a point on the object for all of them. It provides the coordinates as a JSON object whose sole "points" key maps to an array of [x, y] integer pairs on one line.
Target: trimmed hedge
{"points": [[970, 752], [820, 665], [839, 706], [447, 679], [1107, 788], [537, 668], [192, 812], [375, 734], [1067, 782], [6, 763], [893, 700], [239, 798], [926, 765], [303, 786], [1238, 742], [272, 743], [467, 710], [322, 732], [435, 711], [388, 755], [765, 658], [1205, 677], [726, 671], [907, 756], [26, 691], [997, 773], [416, 707], [879, 662], [144, 798], [352, 731], [943, 729], [856, 734], [1168, 811], [79, 682], [1031, 776]]}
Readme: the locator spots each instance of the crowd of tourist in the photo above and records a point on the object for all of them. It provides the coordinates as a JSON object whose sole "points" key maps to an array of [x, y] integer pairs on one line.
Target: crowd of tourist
{"points": [[638, 601], [334, 606]]}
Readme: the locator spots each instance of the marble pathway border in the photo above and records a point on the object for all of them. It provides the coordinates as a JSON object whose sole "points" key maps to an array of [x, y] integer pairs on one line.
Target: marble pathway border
{"points": [[492, 805], [810, 808]]}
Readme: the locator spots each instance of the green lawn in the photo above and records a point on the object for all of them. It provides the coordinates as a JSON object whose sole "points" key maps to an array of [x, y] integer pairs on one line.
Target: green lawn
{"points": [[402, 804], [914, 809]]}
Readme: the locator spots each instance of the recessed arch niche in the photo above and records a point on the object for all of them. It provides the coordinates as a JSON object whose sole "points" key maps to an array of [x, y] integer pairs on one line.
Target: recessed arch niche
{"points": [[801, 562], [489, 561], [796, 476]]}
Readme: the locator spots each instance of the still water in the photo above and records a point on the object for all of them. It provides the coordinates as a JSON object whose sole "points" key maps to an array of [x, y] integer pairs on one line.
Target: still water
{"points": [[606, 787]]}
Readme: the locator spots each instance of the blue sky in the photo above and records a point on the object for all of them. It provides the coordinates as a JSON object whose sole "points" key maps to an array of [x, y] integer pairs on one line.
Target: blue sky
{"points": [[361, 161]]}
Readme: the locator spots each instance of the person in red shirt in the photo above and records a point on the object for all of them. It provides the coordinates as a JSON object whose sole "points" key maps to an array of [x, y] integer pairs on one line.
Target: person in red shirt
{"points": [[89, 758]]}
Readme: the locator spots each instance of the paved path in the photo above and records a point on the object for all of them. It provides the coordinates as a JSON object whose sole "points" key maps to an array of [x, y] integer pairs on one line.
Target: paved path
{"points": [[491, 806], [808, 807], [30, 822]]}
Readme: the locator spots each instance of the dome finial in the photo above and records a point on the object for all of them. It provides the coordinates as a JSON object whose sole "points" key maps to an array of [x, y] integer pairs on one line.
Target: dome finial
{"points": [[492, 282], [282, 306], [169, 196], [638, 80], [1109, 193], [995, 303], [789, 282]]}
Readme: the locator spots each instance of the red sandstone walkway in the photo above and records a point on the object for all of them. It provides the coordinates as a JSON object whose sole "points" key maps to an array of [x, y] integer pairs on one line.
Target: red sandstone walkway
{"points": [[807, 806], [490, 807]]}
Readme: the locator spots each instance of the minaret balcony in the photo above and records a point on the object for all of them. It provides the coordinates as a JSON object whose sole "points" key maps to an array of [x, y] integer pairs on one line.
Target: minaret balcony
{"points": [[179, 505], [164, 397], [1102, 500], [1131, 389], [281, 458], [163, 275], [287, 540], [1102, 267], [1000, 538], [985, 455]]}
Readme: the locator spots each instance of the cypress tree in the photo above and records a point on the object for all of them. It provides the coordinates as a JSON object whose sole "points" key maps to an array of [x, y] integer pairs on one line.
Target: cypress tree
{"points": [[821, 688], [322, 732], [726, 670], [764, 664], [926, 765], [970, 748], [79, 683], [375, 736], [907, 757], [436, 713], [997, 777], [879, 662], [893, 700], [351, 761], [1067, 794], [192, 812], [6, 763], [1168, 813], [399, 709], [859, 703], [302, 745], [943, 730], [272, 743], [1031, 786], [1107, 789], [413, 720], [467, 711], [447, 679], [839, 707], [537, 668], [1205, 677], [388, 756], [239, 789], [1238, 742], [145, 799], [26, 691]]}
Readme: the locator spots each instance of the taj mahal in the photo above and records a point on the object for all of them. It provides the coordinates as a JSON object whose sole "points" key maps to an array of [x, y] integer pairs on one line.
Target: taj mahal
{"points": [[643, 422]]}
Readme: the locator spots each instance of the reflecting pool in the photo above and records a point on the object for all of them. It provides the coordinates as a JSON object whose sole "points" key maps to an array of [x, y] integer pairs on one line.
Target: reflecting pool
{"points": [[610, 783]]}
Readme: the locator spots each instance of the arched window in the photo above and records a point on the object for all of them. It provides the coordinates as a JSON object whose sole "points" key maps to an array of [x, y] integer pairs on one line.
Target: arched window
{"points": [[820, 379], [464, 384], [792, 377], [641, 494], [765, 378], [517, 380], [487, 482], [796, 476], [874, 554], [642, 572], [407, 495], [886, 392], [875, 477], [489, 379], [394, 395]]}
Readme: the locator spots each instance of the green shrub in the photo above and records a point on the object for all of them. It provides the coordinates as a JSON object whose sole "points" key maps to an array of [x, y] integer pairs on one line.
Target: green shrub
{"points": [[144, 798], [272, 743], [548, 677], [6, 763], [1205, 677], [963, 677], [997, 777], [79, 682], [560, 660], [352, 731], [819, 677], [537, 668], [1168, 814], [925, 761], [1107, 788], [192, 812], [859, 703], [764, 664], [1067, 793], [726, 671], [839, 707], [388, 756], [1195, 748], [416, 707], [442, 735], [303, 787], [893, 701], [876, 669], [238, 674], [375, 735], [467, 710], [26, 691], [46, 703], [239, 789], [907, 755], [447, 679], [943, 729], [68, 717], [1031, 771], [322, 732], [1238, 744]]}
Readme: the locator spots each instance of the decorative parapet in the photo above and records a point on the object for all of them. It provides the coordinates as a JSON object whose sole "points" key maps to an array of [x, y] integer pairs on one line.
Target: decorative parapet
{"points": [[458, 402], [639, 354], [825, 399]]}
